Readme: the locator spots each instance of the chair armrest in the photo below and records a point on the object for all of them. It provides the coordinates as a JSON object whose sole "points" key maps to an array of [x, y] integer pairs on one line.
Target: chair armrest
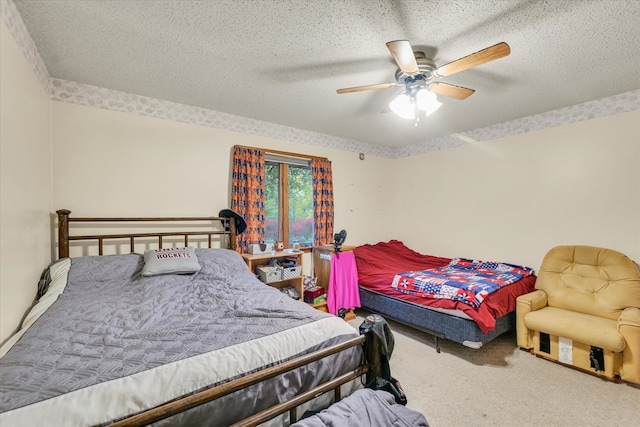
{"points": [[525, 304], [630, 316], [532, 301], [629, 328]]}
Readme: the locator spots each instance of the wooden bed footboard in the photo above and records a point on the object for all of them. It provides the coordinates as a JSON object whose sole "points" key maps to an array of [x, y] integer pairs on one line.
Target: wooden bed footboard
{"points": [[189, 402]]}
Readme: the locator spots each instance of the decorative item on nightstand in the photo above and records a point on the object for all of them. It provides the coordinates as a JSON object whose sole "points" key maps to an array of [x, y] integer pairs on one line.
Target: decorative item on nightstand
{"points": [[260, 248]]}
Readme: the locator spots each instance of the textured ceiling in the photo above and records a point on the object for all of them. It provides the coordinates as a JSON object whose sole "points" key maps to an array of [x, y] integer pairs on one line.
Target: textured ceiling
{"points": [[281, 61]]}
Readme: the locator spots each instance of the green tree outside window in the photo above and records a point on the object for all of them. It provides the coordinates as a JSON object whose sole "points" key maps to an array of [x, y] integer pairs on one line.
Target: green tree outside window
{"points": [[288, 189]]}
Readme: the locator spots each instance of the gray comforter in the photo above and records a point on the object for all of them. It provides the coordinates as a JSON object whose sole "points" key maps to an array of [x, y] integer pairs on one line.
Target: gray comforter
{"points": [[111, 322]]}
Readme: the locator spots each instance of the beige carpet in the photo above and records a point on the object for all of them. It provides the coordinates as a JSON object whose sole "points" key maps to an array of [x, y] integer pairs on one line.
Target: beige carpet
{"points": [[501, 385]]}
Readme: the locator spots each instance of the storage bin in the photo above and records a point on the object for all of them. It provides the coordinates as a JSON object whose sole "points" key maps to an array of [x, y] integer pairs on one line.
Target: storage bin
{"points": [[291, 272], [269, 274]]}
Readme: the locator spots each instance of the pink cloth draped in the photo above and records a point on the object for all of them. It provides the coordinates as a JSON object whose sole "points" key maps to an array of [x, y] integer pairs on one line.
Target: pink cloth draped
{"points": [[343, 283]]}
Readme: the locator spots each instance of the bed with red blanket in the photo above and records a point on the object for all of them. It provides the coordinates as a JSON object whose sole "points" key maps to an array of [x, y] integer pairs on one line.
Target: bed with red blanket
{"points": [[453, 319]]}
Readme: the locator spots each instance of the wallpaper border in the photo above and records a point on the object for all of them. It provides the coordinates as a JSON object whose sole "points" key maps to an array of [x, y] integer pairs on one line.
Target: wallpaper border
{"points": [[93, 96], [14, 23]]}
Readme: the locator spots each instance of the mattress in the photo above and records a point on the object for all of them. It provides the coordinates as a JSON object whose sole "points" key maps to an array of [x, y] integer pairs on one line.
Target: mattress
{"points": [[113, 343]]}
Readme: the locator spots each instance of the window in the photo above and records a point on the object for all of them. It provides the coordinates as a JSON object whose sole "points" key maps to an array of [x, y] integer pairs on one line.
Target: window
{"points": [[288, 201]]}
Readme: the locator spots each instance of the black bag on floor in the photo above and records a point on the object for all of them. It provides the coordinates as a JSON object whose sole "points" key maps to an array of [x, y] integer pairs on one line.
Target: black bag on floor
{"points": [[378, 349]]}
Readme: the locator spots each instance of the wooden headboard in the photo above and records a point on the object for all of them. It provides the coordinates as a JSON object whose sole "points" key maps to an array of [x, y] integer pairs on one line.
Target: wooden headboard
{"points": [[64, 220]]}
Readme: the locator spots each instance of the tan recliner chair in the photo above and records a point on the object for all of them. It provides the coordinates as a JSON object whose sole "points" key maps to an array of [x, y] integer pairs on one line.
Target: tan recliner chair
{"points": [[585, 312]]}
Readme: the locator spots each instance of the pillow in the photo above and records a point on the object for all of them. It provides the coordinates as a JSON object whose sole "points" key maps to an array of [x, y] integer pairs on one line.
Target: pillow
{"points": [[170, 261]]}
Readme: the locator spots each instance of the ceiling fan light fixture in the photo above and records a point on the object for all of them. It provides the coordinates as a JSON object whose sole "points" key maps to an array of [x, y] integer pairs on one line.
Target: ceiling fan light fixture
{"points": [[427, 101], [403, 107], [417, 73]]}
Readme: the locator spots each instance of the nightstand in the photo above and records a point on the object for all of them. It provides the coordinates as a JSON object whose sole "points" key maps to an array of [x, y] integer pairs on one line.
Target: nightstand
{"points": [[261, 260]]}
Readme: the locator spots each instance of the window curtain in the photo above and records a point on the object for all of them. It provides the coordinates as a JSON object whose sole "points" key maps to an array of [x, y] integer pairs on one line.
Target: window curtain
{"points": [[247, 194], [322, 201]]}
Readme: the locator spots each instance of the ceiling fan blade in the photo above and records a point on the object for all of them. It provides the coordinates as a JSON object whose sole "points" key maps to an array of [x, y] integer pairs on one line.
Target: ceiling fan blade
{"points": [[403, 54], [368, 87], [452, 91], [492, 53]]}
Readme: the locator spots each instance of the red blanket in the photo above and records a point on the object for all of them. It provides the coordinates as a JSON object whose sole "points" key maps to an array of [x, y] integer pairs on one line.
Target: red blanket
{"points": [[378, 264]]}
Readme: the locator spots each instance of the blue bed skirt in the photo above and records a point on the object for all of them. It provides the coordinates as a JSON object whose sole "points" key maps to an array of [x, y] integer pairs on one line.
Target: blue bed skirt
{"points": [[439, 324]]}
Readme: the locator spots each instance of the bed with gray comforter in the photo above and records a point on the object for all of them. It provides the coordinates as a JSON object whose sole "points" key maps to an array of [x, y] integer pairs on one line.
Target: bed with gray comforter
{"points": [[114, 343]]}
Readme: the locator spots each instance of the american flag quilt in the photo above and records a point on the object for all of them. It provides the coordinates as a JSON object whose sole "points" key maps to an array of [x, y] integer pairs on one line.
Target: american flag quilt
{"points": [[464, 280]]}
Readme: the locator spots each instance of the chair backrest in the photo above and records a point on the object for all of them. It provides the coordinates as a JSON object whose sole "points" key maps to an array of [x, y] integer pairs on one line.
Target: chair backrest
{"points": [[597, 281]]}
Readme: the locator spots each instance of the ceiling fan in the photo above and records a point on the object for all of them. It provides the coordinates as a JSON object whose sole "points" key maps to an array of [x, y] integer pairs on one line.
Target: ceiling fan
{"points": [[419, 75]]}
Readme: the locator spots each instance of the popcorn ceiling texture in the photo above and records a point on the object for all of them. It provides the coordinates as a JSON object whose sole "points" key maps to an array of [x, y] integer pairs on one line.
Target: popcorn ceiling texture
{"points": [[83, 94]]}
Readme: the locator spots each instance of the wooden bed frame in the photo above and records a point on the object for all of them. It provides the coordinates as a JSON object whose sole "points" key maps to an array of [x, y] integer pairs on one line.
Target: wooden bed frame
{"points": [[371, 367]]}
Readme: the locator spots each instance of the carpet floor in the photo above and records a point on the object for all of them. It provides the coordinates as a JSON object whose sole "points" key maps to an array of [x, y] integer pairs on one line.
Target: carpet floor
{"points": [[502, 385]]}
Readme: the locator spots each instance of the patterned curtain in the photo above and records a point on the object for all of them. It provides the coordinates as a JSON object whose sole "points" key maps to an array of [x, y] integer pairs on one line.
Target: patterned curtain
{"points": [[322, 201], [247, 194]]}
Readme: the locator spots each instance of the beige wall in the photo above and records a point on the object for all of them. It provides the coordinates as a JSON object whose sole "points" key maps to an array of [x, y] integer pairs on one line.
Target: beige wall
{"points": [[514, 198], [25, 183], [114, 164], [510, 199]]}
